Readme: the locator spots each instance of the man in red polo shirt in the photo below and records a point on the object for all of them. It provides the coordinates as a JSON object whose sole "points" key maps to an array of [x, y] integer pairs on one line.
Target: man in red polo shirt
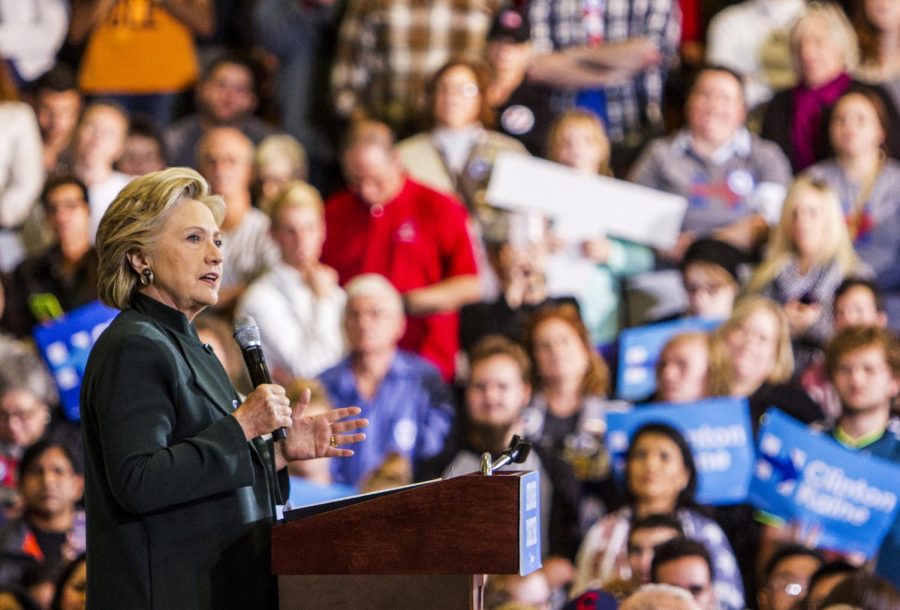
{"points": [[416, 237]]}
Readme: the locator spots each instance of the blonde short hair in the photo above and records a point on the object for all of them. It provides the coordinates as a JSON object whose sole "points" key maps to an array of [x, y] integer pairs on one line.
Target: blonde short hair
{"points": [[134, 220], [296, 194], [720, 364], [282, 146], [840, 31]]}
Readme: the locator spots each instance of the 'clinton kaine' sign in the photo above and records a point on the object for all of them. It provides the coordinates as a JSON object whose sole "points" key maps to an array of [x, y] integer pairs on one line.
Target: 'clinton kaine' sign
{"points": [[718, 431]]}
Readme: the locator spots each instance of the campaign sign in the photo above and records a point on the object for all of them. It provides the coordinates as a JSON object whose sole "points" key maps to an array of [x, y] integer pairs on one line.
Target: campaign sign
{"points": [[639, 350], [805, 477], [65, 344], [718, 431], [529, 522]]}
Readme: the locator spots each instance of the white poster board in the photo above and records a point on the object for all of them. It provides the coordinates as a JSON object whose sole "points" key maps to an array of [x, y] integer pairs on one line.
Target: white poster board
{"points": [[584, 205]]}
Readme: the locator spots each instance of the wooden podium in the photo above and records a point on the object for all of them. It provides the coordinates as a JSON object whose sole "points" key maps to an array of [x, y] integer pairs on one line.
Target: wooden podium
{"points": [[422, 546]]}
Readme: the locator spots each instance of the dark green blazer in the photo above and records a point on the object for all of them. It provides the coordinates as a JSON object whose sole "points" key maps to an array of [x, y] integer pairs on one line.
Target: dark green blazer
{"points": [[178, 503]]}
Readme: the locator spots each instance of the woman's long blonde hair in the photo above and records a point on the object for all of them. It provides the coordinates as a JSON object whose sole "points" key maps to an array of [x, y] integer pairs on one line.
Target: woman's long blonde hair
{"points": [[837, 246]]}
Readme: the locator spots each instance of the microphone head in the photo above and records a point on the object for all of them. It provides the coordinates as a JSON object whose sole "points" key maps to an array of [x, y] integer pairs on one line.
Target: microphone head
{"points": [[246, 332], [522, 453]]}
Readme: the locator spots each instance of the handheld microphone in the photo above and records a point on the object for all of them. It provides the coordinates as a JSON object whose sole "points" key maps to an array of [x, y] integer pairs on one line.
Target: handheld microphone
{"points": [[246, 333]]}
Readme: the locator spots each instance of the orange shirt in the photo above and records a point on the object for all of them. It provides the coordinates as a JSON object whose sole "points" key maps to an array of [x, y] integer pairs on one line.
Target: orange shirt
{"points": [[139, 48]]}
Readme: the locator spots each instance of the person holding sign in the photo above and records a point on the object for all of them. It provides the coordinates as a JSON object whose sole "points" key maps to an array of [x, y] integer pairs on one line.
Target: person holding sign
{"points": [[661, 479], [864, 365]]}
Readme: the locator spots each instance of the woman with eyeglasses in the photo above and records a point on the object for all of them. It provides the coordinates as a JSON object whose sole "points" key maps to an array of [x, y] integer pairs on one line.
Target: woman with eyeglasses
{"points": [[660, 478], [456, 153]]}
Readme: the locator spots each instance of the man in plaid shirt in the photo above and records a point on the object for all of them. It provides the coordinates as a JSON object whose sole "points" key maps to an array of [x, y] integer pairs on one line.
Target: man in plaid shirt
{"points": [[387, 49], [611, 54]]}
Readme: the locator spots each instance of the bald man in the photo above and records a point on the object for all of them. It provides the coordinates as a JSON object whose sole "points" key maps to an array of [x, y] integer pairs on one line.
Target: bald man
{"points": [[225, 158]]}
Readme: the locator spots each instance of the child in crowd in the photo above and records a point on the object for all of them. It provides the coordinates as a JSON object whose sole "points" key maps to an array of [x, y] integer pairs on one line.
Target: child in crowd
{"points": [[593, 270]]}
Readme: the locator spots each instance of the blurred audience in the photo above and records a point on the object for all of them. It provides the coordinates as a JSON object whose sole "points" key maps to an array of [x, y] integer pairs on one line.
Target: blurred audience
{"points": [[64, 276], [227, 96], [416, 237], [877, 24], [752, 353], [141, 54], [496, 394], [751, 38], [594, 269], [785, 579], [810, 254], [661, 479], [866, 182], [567, 413], [51, 528], [225, 158], [21, 169], [825, 52], [98, 143], [734, 181], [31, 32], [144, 149], [302, 37], [686, 564], [711, 272], [387, 51], [297, 304], [456, 154], [56, 100], [409, 408], [279, 161], [523, 109]]}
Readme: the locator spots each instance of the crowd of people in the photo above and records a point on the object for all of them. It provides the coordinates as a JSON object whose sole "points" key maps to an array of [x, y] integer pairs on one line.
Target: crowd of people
{"points": [[353, 143]]}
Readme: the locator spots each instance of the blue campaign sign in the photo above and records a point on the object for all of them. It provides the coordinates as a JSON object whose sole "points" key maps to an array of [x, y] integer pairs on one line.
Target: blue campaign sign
{"points": [[529, 522], [65, 344], [639, 350], [718, 431], [805, 477]]}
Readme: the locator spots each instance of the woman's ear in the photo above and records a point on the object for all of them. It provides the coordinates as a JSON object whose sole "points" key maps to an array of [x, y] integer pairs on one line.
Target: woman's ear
{"points": [[138, 260]]}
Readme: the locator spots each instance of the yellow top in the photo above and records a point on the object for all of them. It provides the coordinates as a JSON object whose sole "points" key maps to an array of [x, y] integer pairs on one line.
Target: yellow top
{"points": [[139, 48]]}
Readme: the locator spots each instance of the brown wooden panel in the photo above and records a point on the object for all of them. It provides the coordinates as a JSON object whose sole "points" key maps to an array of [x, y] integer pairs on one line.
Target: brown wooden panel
{"points": [[464, 525]]}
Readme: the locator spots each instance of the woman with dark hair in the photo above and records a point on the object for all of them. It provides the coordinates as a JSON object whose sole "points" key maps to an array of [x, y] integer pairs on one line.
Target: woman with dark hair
{"points": [[877, 24], [456, 153], [71, 586], [660, 478], [863, 591], [866, 181]]}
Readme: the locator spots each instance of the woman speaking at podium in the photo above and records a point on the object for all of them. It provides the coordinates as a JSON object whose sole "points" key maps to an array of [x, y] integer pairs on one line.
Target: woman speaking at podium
{"points": [[181, 488]]}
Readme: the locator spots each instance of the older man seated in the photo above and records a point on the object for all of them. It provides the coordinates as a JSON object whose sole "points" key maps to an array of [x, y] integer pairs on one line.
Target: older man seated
{"points": [[409, 407]]}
